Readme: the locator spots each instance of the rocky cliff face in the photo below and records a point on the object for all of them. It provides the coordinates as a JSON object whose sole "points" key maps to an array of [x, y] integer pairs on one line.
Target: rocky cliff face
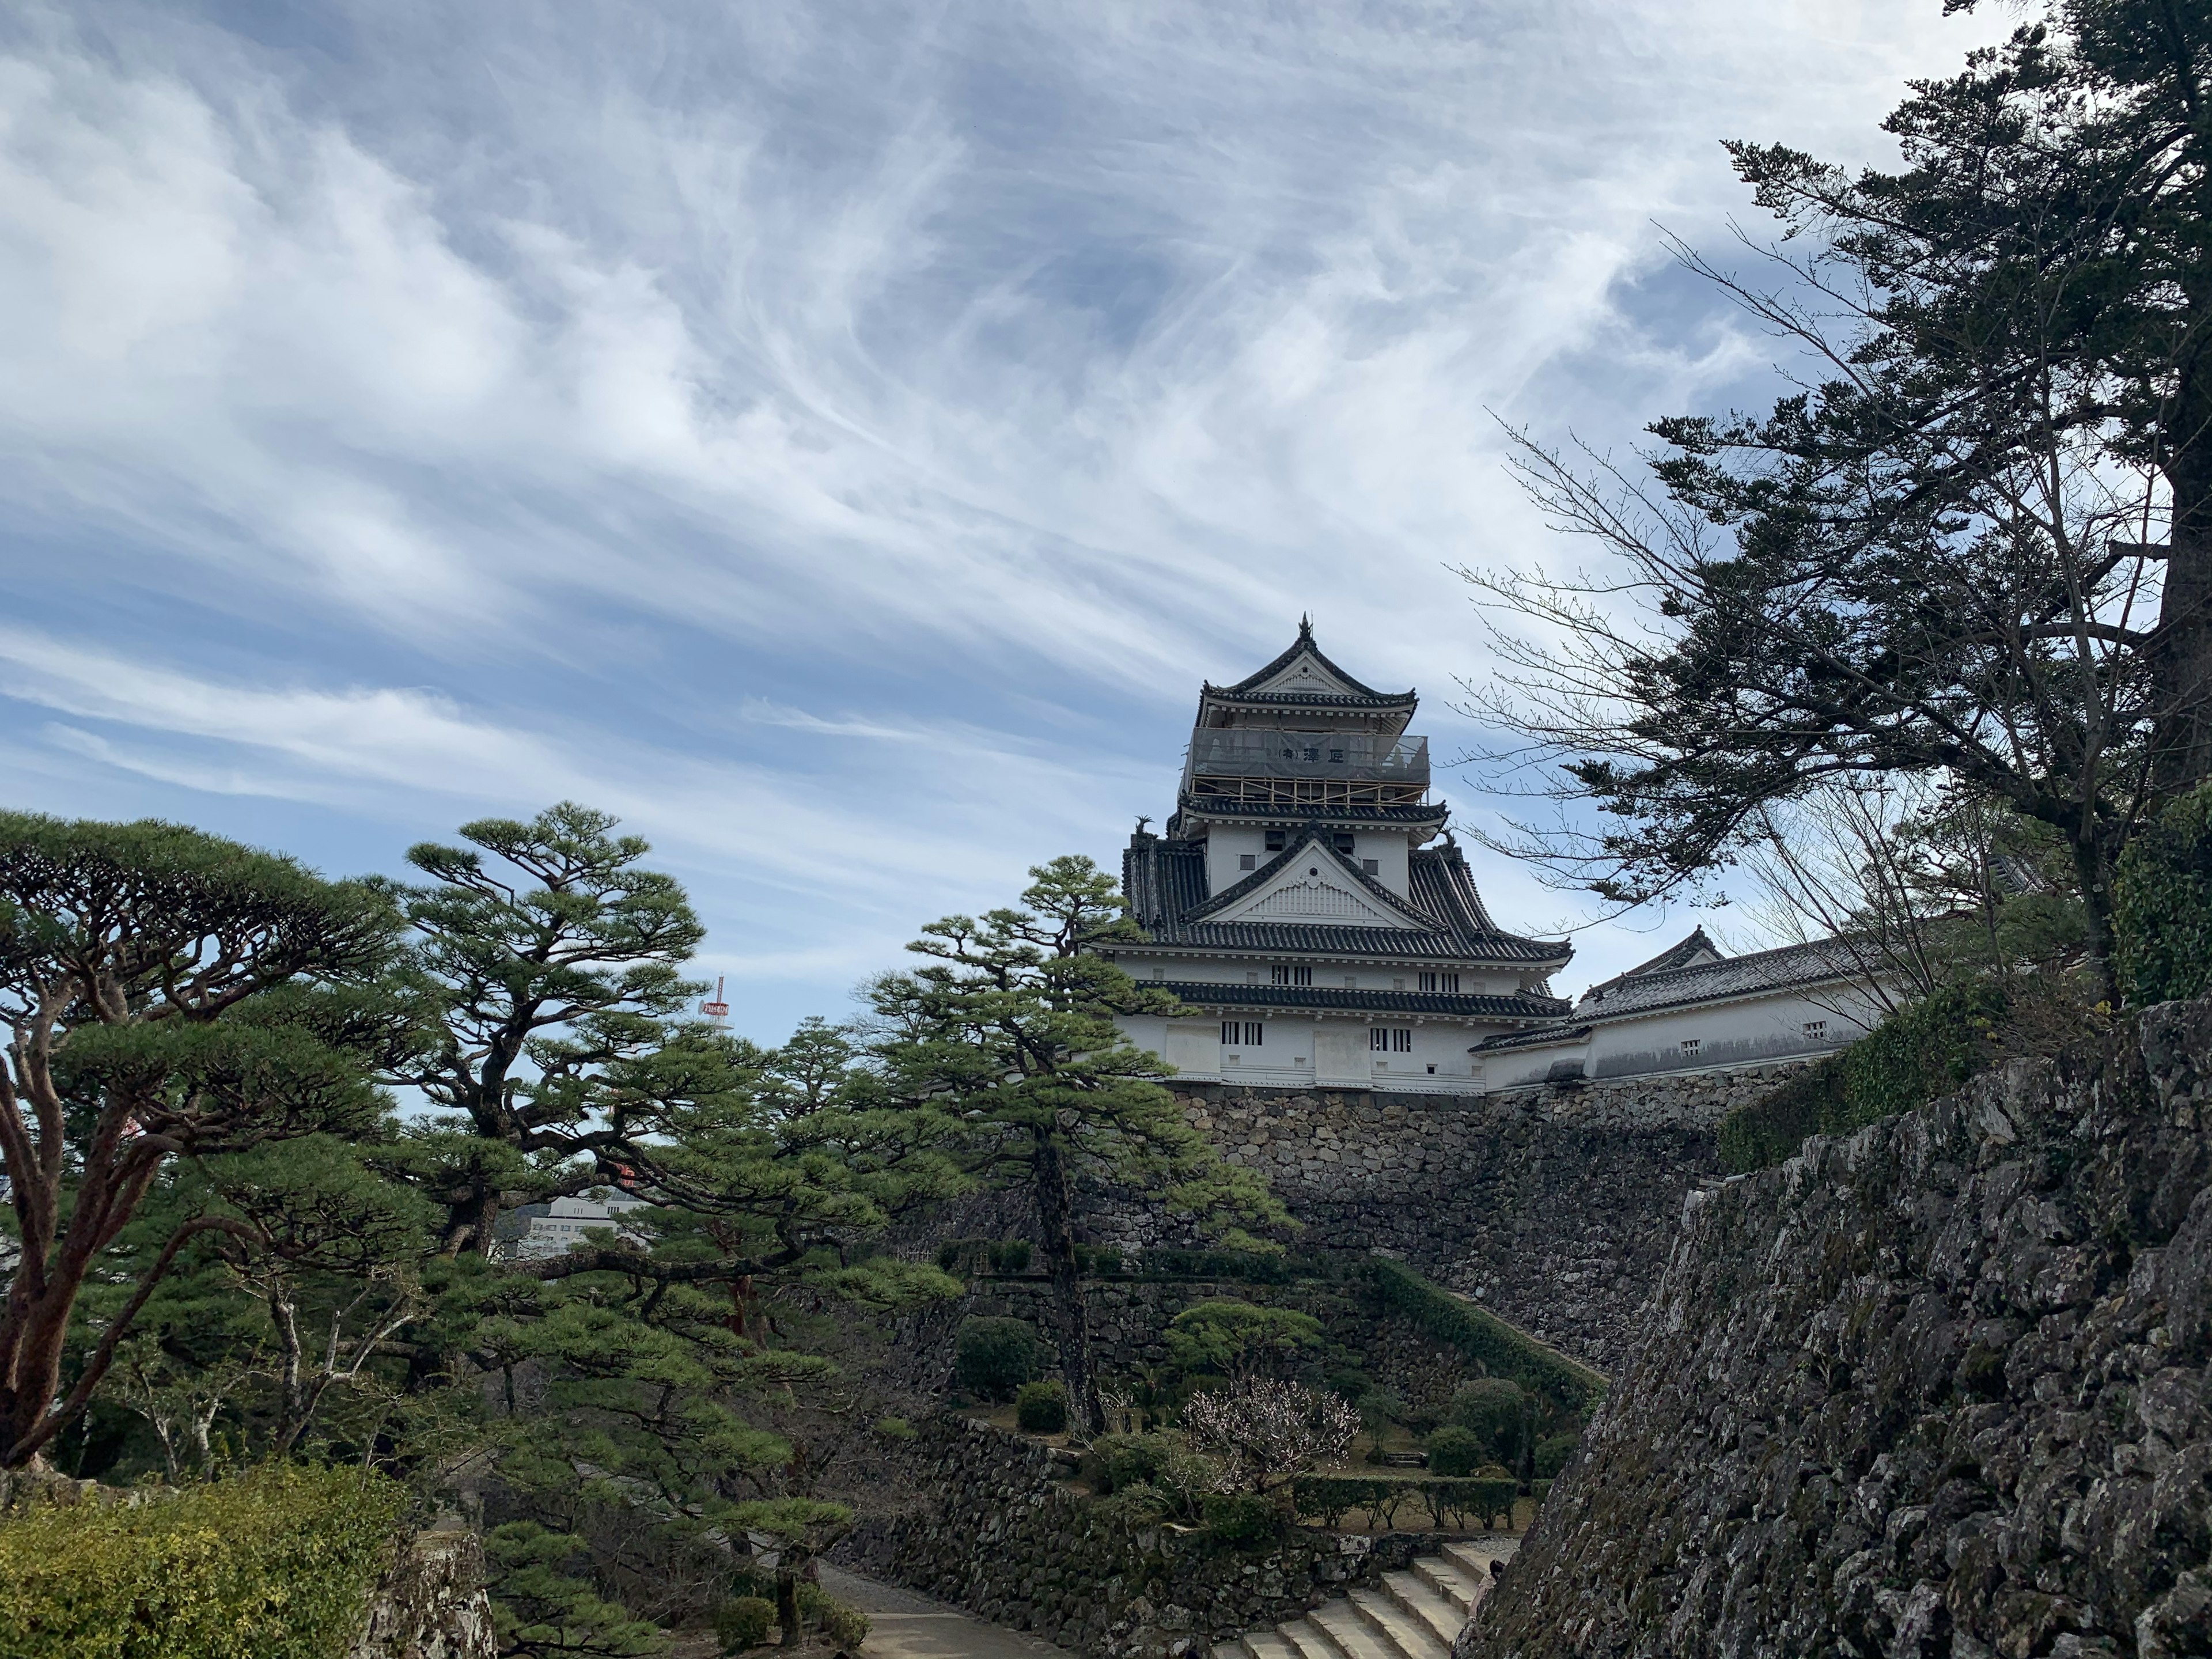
{"points": [[1937, 1388]]}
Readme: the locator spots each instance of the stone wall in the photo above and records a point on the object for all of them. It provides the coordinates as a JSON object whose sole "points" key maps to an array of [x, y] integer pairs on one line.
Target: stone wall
{"points": [[1553, 1206], [432, 1604], [1941, 1387], [1001, 1531]]}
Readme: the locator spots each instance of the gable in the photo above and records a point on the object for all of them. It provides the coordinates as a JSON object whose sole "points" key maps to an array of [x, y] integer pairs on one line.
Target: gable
{"points": [[1308, 673], [1309, 889]]}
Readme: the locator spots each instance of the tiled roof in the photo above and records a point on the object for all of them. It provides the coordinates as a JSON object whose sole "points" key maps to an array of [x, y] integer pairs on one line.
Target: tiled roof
{"points": [[1813, 962], [1304, 643], [1165, 881], [1538, 1039], [1322, 998]]}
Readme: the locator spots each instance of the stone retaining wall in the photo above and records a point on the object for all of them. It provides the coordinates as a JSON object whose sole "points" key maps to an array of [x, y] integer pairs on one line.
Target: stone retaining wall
{"points": [[1000, 1533], [1553, 1206], [1940, 1388]]}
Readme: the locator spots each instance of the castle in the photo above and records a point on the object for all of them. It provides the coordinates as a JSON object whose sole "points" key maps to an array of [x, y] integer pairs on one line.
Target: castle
{"points": [[1313, 915]]}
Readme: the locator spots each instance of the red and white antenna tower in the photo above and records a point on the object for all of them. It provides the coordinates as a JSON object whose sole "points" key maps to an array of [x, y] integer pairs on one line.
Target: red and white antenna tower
{"points": [[717, 1010]]}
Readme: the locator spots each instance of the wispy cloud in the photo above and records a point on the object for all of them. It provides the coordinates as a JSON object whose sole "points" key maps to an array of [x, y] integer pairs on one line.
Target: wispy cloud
{"points": [[407, 412]]}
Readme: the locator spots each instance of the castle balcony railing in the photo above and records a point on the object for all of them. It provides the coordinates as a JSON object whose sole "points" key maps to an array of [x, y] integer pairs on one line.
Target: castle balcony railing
{"points": [[1348, 768]]}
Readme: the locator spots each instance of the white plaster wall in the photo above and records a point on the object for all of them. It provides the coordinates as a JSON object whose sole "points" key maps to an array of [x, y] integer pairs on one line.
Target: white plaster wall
{"points": [[1732, 1033], [1390, 851], [1223, 846]]}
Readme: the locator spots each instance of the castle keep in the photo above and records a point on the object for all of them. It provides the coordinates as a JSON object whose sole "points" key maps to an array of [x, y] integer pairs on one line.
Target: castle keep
{"points": [[1310, 909]]}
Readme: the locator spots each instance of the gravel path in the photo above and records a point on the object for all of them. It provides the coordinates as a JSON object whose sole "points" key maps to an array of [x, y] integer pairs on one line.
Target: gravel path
{"points": [[905, 1626]]}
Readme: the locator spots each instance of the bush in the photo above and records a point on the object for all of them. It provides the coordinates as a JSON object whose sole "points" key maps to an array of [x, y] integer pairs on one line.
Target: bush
{"points": [[1041, 1407], [2162, 905], [1118, 1461], [846, 1626], [276, 1563], [1241, 1517], [1502, 1351], [1495, 1412], [1485, 1500], [994, 1357], [1553, 1454], [1455, 1450], [744, 1621], [1136, 1506], [1238, 1338], [1919, 1053]]}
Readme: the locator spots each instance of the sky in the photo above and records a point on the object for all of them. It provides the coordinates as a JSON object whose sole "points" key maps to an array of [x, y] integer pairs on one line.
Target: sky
{"points": [[837, 439]]}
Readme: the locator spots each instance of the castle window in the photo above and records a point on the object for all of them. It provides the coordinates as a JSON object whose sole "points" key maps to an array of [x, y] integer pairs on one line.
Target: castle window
{"points": [[1276, 840], [1285, 974], [1350, 982], [1372, 866], [1817, 1030], [1440, 982], [1247, 1033], [1692, 1046], [1342, 843], [1390, 1039], [1248, 860]]}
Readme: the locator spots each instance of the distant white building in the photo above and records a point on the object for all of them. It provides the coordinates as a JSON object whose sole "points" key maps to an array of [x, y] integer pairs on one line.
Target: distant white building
{"points": [[1313, 914], [551, 1227]]}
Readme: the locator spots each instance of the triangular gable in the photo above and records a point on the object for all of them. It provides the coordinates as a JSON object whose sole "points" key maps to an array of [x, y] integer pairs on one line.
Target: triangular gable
{"points": [[1312, 882], [1303, 670]]}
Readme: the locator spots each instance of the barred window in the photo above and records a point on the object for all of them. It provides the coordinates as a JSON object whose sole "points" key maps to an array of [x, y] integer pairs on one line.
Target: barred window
{"points": [[1440, 982], [1289, 976], [1390, 1039], [1817, 1030], [1242, 1033], [1693, 1045]]}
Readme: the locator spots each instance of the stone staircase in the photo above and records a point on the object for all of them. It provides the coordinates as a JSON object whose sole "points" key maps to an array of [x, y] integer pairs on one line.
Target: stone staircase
{"points": [[1415, 1614]]}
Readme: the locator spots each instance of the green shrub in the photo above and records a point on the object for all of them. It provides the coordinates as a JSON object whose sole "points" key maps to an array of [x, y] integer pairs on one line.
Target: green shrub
{"points": [[1041, 1407], [1919, 1053], [1455, 1450], [1553, 1454], [1484, 1500], [1013, 1256], [1238, 1338], [846, 1626], [1328, 1498], [1116, 1460], [276, 1563], [994, 1357], [1569, 1388], [744, 1621], [1135, 1505], [2162, 905], [1495, 1412], [1241, 1517]]}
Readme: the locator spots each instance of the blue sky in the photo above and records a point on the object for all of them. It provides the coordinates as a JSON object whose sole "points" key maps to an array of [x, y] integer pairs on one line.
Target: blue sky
{"points": [[837, 438]]}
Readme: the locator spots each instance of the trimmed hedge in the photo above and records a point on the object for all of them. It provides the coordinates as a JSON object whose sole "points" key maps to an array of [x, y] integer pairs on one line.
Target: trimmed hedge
{"points": [[2162, 905], [994, 1357], [1919, 1053], [278, 1563], [1328, 1499], [1502, 1350], [1041, 1407]]}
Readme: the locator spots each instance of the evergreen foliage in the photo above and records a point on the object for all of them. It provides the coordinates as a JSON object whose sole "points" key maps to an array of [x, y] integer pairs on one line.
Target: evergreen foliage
{"points": [[1566, 1386], [1009, 1029], [993, 1357], [2162, 906], [1496, 1412], [1919, 1053], [1225, 1337], [1041, 1407], [1456, 1450], [276, 1563]]}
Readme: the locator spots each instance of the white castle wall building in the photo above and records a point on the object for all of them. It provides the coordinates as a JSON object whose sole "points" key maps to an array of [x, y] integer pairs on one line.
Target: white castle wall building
{"points": [[1310, 907]]}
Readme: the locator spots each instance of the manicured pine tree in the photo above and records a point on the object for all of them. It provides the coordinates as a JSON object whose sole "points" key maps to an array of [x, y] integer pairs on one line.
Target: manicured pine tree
{"points": [[1008, 1030]]}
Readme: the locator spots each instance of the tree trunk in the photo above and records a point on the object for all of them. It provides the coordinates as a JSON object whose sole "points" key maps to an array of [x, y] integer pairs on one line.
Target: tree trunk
{"points": [[787, 1606], [1055, 1205]]}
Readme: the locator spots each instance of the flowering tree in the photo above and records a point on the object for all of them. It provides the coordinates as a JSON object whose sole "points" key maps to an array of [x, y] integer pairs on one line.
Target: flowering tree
{"points": [[1267, 1431]]}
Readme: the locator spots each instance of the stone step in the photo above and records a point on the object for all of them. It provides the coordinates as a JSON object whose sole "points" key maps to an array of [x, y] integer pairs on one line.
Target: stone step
{"points": [[1408, 1635], [1265, 1644], [1354, 1637], [1451, 1581], [1475, 1558], [1424, 1606], [1308, 1640]]}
